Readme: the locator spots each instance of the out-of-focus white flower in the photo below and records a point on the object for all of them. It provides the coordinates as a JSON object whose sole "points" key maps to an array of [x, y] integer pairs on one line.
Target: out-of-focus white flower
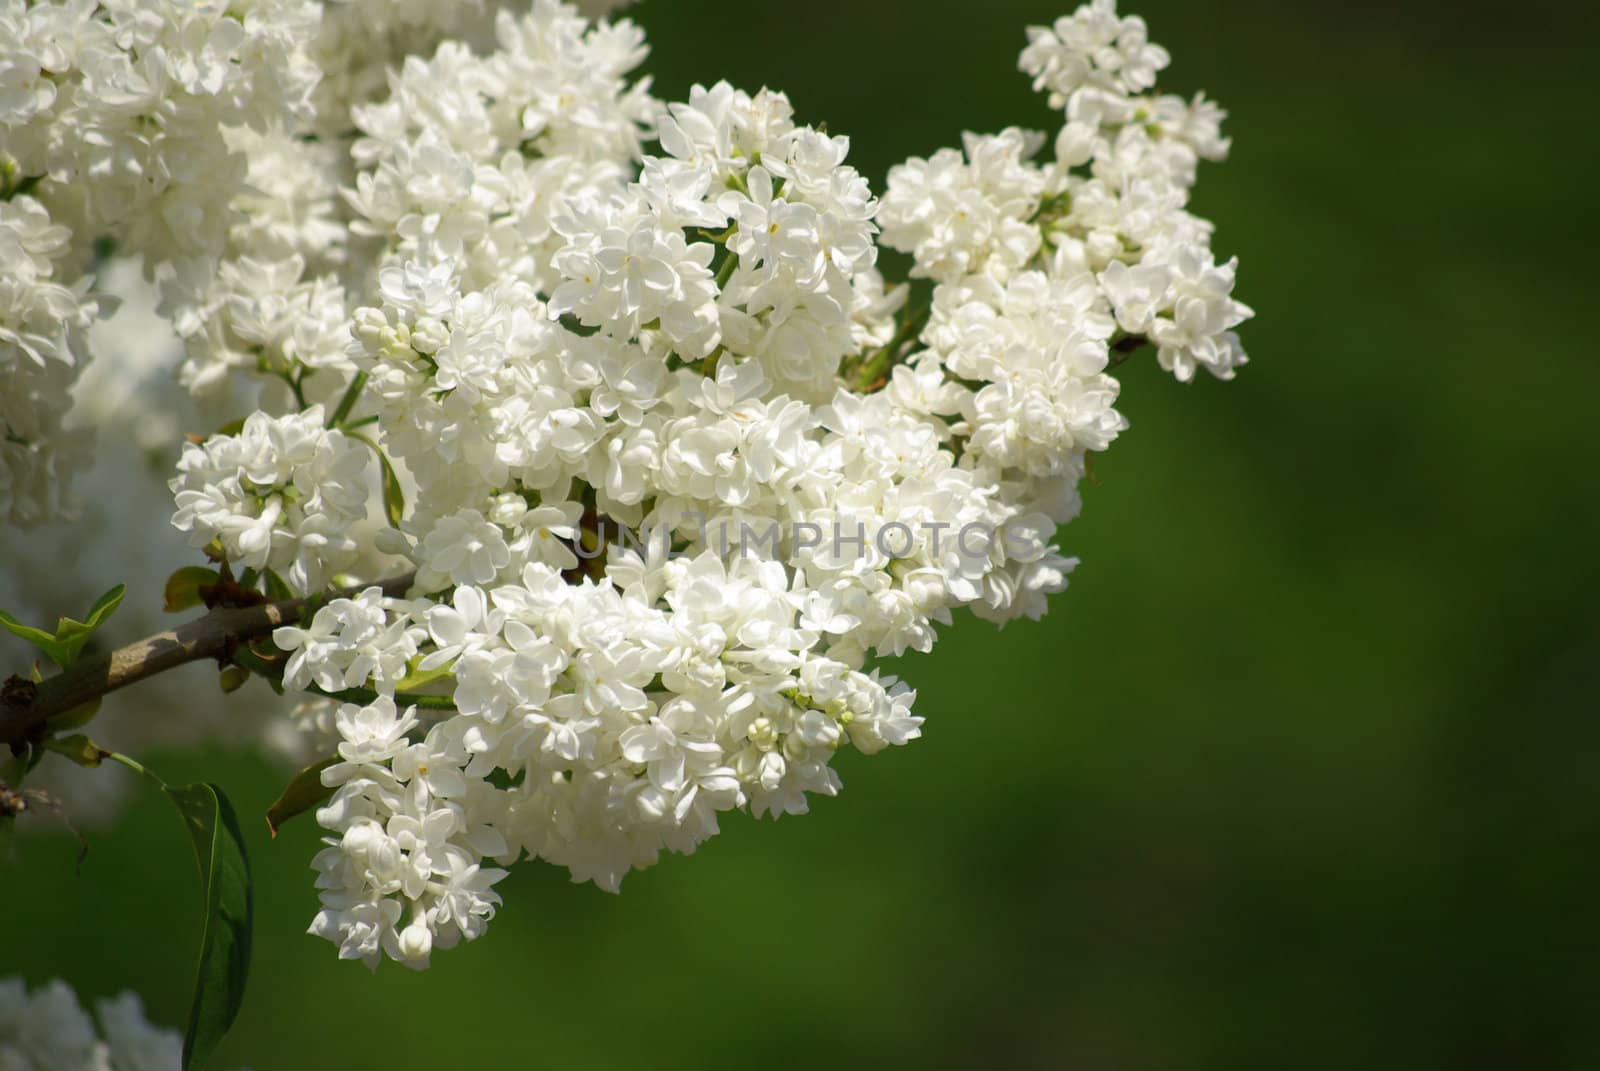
{"points": [[48, 1030]]}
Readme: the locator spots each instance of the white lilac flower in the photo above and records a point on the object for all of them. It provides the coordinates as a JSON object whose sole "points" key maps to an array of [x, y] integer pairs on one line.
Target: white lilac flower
{"points": [[348, 643], [674, 459], [962, 213], [281, 495], [1092, 47]]}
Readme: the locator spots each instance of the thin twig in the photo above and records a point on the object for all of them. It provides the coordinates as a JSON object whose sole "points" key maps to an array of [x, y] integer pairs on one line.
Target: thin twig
{"points": [[26, 706]]}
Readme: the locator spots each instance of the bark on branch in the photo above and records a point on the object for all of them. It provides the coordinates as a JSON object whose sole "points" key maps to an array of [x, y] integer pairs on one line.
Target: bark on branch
{"points": [[25, 707]]}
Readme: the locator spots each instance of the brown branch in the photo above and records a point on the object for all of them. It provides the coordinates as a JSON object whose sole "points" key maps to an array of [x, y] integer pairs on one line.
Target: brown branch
{"points": [[25, 707]]}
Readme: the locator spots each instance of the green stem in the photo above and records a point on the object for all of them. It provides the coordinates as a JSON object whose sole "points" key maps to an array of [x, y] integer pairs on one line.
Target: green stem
{"points": [[729, 266], [296, 383], [364, 696], [117, 756], [877, 366], [348, 402]]}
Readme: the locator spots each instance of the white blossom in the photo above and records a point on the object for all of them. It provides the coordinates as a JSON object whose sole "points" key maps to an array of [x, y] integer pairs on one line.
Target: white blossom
{"points": [[674, 458], [281, 495], [48, 1030]]}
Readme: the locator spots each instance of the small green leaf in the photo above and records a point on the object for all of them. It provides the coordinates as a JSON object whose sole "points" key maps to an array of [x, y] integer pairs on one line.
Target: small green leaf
{"points": [[15, 769], [105, 606], [183, 588], [77, 717], [268, 664], [419, 677], [225, 943], [64, 647], [36, 636], [303, 792], [277, 590], [394, 496], [232, 678], [80, 749], [72, 635]]}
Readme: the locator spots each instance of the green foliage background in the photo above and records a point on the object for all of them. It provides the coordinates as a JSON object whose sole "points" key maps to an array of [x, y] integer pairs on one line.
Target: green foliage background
{"points": [[1301, 772]]}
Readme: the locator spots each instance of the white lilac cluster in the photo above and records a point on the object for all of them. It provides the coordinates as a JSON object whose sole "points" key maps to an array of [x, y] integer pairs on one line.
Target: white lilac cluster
{"points": [[360, 39], [48, 1030], [42, 325], [554, 307], [1113, 203], [207, 138], [114, 125], [588, 311], [281, 495], [273, 304], [137, 411]]}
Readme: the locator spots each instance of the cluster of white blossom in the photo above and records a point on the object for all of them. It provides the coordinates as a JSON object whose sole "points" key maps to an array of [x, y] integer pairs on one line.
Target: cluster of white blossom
{"points": [[115, 118], [137, 412], [590, 311], [48, 1030], [209, 139], [1114, 200], [42, 324], [281, 495], [553, 307], [117, 434]]}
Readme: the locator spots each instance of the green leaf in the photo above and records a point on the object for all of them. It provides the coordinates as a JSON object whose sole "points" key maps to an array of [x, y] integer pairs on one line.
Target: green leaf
{"points": [[64, 647], [232, 678], [224, 967], [15, 769], [416, 678], [183, 588], [72, 635], [77, 717], [394, 496], [80, 749], [276, 588], [36, 636], [266, 665], [225, 943], [303, 792], [105, 606]]}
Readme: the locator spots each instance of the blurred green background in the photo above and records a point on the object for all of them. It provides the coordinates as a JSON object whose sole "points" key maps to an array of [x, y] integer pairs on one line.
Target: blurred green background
{"points": [[1303, 771]]}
